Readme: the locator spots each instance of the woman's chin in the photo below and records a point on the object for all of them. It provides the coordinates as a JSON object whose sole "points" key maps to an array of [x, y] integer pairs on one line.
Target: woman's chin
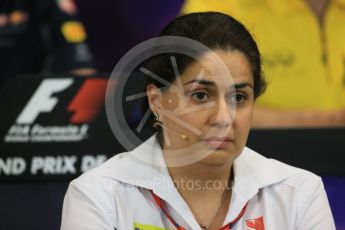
{"points": [[219, 157]]}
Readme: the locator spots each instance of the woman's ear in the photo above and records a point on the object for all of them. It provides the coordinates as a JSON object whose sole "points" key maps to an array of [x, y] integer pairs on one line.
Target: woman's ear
{"points": [[154, 98]]}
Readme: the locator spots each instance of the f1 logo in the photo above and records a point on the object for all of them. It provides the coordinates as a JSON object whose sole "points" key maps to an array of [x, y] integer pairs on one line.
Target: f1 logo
{"points": [[256, 224], [85, 105], [42, 100]]}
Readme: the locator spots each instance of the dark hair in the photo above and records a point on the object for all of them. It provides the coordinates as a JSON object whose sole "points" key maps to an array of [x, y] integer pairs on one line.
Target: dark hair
{"points": [[216, 31]]}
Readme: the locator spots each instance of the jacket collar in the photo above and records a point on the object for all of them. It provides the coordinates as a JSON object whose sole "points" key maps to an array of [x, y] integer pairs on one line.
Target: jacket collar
{"points": [[145, 167], [145, 164]]}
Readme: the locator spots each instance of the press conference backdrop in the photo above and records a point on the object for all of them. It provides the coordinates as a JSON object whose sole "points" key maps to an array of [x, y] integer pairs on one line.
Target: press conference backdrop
{"points": [[53, 128]]}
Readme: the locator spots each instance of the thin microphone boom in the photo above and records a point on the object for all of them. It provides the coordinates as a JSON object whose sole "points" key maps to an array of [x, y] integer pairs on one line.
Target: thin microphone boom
{"points": [[183, 136]]}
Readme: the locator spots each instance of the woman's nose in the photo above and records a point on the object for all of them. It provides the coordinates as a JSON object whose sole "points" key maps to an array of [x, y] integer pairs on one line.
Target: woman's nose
{"points": [[223, 114]]}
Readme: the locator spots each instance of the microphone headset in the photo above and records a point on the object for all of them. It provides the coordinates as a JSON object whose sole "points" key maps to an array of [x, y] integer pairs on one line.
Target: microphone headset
{"points": [[159, 123]]}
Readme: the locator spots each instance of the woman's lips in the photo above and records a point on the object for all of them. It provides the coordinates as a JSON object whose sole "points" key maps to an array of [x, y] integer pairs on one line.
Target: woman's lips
{"points": [[217, 143]]}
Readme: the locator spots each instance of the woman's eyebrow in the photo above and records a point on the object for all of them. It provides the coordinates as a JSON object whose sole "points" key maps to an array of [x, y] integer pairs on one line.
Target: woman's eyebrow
{"points": [[200, 81], [242, 85], [212, 83]]}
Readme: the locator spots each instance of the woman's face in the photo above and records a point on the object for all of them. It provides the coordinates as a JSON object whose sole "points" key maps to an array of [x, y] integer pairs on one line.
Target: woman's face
{"points": [[213, 110]]}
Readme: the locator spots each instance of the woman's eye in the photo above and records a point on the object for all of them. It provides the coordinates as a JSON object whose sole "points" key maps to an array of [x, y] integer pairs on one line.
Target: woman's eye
{"points": [[200, 96], [238, 98]]}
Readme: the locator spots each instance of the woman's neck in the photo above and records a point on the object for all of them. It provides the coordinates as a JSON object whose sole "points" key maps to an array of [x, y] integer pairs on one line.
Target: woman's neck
{"points": [[206, 188], [202, 177]]}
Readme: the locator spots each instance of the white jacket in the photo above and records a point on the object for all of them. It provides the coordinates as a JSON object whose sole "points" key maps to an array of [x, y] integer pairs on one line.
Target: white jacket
{"points": [[116, 195]]}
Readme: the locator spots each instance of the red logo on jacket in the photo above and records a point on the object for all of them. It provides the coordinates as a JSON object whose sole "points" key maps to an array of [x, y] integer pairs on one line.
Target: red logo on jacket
{"points": [[256, 224]]}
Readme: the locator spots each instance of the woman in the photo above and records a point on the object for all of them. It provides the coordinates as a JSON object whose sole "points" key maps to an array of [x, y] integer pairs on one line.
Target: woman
{"points": [[197, 173]]}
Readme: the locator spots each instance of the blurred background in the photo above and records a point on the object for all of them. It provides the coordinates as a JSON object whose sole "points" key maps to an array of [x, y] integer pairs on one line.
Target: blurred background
{"points": [[67, 49]]}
